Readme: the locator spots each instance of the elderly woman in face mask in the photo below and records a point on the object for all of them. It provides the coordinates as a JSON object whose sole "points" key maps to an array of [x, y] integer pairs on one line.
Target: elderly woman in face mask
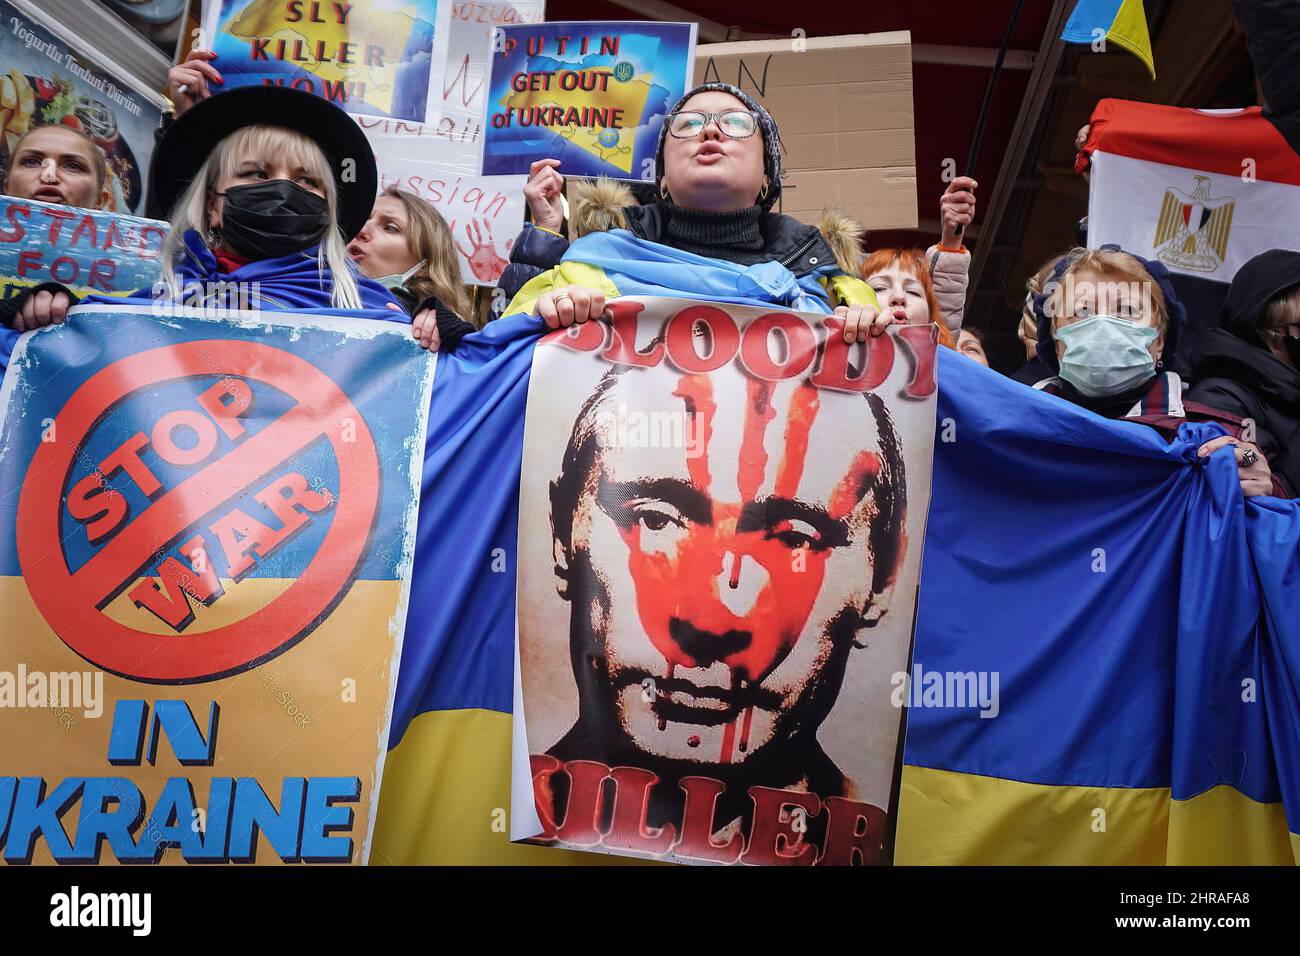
{"points": [[1105, 319], [711, 234]]}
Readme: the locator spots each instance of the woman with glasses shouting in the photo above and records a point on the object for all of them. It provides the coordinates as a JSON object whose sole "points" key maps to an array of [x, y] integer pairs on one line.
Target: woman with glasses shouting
{"points": [[1251, 365], [710, 233]]}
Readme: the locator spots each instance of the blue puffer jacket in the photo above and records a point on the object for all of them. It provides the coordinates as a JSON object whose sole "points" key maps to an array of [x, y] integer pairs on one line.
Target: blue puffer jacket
{"points": [[534, 252]]}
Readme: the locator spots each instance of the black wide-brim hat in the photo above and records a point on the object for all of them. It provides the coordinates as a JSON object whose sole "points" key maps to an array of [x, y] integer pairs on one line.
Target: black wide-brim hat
{"points": [[196, 132]]}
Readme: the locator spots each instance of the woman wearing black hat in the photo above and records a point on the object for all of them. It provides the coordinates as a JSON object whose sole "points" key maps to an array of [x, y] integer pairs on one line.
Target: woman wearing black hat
{"points": [[1106, 318], [265, 186], [1251, 365]]}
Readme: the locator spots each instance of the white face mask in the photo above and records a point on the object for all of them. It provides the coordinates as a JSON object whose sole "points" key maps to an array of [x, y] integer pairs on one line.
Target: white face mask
{"points": [[1105, 355], [395, 280]]}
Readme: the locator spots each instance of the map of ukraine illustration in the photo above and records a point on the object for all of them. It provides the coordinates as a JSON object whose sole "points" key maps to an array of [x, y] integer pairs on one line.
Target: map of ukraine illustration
{"points": [[630, 97]]}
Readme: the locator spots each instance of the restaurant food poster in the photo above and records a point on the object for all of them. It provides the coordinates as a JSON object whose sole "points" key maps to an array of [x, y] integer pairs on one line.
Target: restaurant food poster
{"points": [[207, 525], [590, 94], [720, 523], [44, 81], [370, 56]]}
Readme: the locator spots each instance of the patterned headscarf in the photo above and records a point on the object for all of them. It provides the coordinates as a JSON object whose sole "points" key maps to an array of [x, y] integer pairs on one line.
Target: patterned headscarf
{"points": [[767, 126]]}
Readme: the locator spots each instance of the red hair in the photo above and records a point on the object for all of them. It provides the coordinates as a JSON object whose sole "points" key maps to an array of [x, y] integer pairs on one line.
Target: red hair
{"points": [[913, 261]]}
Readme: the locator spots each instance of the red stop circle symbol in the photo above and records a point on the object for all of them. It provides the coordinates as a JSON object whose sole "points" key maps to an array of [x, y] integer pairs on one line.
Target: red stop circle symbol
{"points": [[72, 602]]}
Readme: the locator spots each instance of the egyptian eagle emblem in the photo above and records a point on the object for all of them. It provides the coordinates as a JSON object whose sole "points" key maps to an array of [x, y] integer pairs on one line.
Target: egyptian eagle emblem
{"points": [[1192, 231]]}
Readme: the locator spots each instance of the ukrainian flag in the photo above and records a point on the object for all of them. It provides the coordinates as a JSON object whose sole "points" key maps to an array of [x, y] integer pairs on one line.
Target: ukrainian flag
{"points": [[1122, 22], [445, 796], [1143, 622]]}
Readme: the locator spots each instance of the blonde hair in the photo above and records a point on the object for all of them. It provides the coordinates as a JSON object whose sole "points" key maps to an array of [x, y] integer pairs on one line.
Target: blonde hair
{"points": [[1280, 311], [261, 139], [429, 239], [1105, 262]]}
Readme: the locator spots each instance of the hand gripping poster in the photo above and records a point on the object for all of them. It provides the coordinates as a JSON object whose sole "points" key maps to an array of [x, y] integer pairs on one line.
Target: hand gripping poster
{"points": [[592, 95], [207, 524], [367, 56], [721, 517]]}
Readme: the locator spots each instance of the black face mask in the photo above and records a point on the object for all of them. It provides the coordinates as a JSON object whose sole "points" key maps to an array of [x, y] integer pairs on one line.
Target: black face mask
{"points": [[272, 219]]}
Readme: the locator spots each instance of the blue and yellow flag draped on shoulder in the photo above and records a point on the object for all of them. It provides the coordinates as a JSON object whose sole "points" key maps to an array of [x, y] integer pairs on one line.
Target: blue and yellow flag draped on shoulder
{"points": [[1142, 619]]}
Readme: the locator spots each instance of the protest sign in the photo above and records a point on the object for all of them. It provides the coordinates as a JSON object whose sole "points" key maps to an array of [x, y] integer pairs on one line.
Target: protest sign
{"points": [[720, 517], [88, 251], [460, 43], [46, 82], [592, 95], [484, 213], [370, 56], [844, 105], [207, 525]]}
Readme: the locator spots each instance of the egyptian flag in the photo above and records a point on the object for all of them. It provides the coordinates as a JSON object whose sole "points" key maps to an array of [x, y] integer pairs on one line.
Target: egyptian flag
{"points": [[1202, 191]]}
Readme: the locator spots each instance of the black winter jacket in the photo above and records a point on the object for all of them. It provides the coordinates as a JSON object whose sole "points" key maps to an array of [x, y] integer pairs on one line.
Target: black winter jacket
{"points": [[1249, 381]]}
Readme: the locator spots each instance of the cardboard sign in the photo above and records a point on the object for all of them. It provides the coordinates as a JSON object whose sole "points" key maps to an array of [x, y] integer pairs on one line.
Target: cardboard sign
{"points": [[592, 95], [207, 524], [368, 56], [719, 549], [48, 83], [844, 106]]}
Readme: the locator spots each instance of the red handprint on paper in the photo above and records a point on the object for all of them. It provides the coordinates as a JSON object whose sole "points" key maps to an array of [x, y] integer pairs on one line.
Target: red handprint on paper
{"points": [[483, 258]]}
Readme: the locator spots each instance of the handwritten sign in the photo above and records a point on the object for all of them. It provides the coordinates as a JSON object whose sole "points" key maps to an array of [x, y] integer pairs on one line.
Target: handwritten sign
{"points": [[460, 45], [844, 105], [86, 250], [372, 57], [593, 95], [484, 213]]}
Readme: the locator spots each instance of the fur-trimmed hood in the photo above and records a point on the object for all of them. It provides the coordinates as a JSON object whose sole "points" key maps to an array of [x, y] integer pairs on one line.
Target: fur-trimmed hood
{"points": [[602, 204]]}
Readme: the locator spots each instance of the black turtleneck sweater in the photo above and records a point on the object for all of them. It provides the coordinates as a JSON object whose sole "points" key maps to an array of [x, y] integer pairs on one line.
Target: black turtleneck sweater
{"points": [[733, 236]]}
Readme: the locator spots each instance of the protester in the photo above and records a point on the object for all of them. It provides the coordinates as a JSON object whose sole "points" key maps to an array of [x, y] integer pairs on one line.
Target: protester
{"points": [[712, 231], [1105, 318], [949, 259], [931, 286], [1272, 29], [1249, 366], [901, 280], [541, 243], [970, 343], [267, 185], [54, 164], [58, 164], [406, 247], [261, 210]]}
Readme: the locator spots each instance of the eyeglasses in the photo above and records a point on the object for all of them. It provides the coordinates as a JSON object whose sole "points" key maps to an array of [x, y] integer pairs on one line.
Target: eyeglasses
{"points": [[737, 124]]}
